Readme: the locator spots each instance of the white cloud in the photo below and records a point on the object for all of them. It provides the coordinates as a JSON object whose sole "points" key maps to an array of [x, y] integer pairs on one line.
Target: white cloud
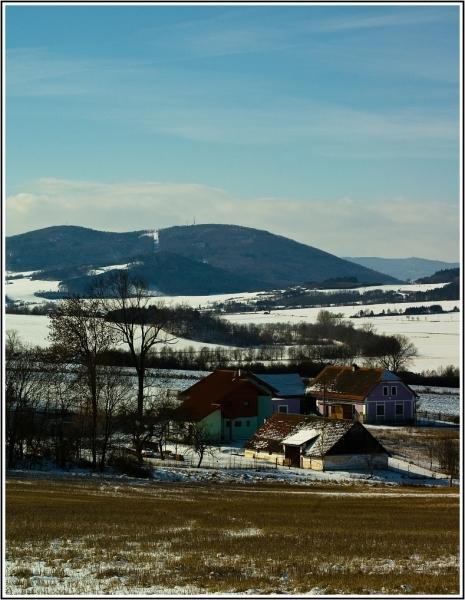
{"points": [[345, 226]]}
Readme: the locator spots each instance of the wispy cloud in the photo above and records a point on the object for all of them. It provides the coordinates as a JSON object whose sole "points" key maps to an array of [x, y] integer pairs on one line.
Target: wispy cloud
{"points": [[344, 226], [402, 17], [252, 30], [141, 95]]}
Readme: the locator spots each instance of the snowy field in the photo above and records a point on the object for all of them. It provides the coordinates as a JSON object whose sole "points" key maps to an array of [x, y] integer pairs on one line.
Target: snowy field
{"points": [[22, 290], [439, 400], [34, 329], [437, 337]]}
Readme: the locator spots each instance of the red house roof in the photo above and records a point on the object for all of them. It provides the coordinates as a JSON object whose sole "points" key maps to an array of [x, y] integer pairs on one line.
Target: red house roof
{"points": [[231, 391]]}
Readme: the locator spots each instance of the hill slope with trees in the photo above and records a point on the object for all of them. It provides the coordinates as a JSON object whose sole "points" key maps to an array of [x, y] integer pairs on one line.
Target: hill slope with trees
{"points": [[197, 259]]}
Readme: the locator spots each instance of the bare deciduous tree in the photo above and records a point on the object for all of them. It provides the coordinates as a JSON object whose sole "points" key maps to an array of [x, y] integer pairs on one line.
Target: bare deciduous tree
{"points": [[23, 395], [80, 334], [447, 453], [200, 440], [114, 398], [393, 353], [127, 303]]}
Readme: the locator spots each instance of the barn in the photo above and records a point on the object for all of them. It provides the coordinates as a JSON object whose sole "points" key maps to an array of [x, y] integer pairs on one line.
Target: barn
{"points": [[318, 443]]}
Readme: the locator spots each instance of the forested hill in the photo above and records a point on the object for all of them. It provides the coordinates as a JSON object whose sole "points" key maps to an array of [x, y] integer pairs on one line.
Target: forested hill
{"points": [[442, 276], [200, 259]]}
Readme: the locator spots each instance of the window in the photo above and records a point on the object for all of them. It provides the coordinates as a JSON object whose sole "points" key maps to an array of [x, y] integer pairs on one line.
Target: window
{"points": [[394, 390], [380, 410], [399, 409], [282, 408], [247, 423], [237, 423], [385, 390], [228, 423]]}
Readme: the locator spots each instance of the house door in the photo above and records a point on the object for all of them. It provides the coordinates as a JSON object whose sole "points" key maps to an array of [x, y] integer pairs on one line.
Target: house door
{"points": [[293, 453], [342, 411]]}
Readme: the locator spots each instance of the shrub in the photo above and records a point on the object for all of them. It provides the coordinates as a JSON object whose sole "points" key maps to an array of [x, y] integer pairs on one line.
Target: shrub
{"points": [[129, 466]]}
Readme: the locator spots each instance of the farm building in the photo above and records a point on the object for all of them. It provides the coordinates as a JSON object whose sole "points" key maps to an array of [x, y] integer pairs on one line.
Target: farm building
{"points": [[363, 394], [317, 443], [231, 405]]}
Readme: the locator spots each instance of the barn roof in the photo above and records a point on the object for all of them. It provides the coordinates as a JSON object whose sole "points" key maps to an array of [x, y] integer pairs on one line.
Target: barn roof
{"points": [[269, 436], [296, 430], [317, 435], [329, 432]]}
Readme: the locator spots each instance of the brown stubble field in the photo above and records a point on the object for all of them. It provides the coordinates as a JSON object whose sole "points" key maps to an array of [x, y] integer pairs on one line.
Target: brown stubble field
{"points": [[75, 536]]}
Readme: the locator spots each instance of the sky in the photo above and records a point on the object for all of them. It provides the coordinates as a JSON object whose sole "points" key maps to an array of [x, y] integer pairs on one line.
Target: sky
{"points": [[337, 126]]}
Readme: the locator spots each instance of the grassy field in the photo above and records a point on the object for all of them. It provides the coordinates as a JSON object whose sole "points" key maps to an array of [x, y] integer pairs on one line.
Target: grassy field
{"points": [[106, 537]]}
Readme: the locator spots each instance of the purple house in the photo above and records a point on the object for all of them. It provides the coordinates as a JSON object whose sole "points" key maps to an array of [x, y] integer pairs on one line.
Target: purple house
{"points": [[365, 395], [287, 391]]}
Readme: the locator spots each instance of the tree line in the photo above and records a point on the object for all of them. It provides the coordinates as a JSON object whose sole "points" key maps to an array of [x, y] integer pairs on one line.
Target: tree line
{"points": [[300, 297]]}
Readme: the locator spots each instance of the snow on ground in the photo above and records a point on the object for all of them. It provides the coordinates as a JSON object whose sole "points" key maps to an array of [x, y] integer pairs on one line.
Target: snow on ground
{"points": [[20, 273], [23, 290], [296, 315], [447, 404], [34, 330], [205, 301], [402, 288], [245, 471], [101, 270], [227, 464], [437, 337], [76, 582]]}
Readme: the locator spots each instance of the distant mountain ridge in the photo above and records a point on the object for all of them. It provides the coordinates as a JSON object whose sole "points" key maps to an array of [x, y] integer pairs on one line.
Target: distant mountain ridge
{"points": [[196, 259], [407, 269]]}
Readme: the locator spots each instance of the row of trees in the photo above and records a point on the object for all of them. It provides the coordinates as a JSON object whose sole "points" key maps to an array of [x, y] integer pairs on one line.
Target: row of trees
{"points": [[301, 297], [330, 338]]}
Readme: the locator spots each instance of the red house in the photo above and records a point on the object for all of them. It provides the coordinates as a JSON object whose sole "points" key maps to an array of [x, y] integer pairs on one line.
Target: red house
{"points": [[232, 404]]}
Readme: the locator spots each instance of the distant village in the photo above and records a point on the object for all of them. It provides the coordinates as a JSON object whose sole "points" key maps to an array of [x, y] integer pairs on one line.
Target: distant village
{"points": [[316, 424]]}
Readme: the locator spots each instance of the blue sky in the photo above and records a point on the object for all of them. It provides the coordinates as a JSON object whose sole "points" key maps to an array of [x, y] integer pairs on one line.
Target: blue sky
{"points": [[335, 125]]}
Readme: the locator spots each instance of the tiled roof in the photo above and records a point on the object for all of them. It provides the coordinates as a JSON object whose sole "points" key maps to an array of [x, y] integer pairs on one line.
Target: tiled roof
{"points": [[347, 382], [297, 430], [283, 384], [200, 398], [329, 431], [270, 435]]}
